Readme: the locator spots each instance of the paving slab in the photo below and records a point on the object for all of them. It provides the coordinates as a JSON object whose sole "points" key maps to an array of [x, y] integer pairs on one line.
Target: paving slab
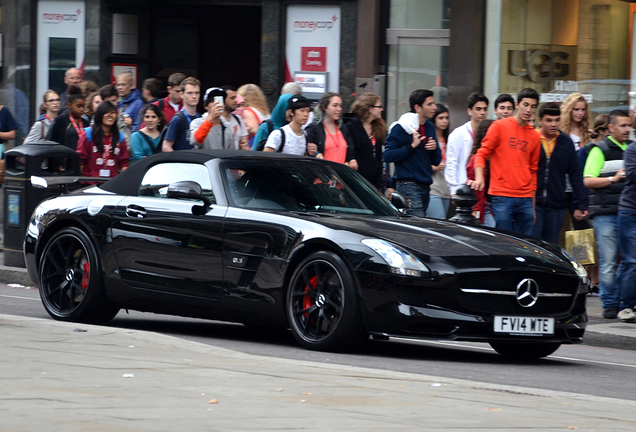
{"points": [[63, 376]]}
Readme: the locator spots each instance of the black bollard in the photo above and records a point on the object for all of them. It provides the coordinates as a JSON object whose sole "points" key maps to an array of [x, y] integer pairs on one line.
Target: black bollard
{"points": [[464, 201]]}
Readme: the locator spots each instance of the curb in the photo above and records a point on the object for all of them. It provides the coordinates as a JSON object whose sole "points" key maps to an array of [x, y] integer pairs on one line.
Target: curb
{"points": [[16, 275]]}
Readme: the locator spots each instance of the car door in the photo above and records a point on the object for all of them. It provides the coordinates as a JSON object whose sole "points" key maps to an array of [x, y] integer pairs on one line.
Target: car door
{"points": [[165, 244]]}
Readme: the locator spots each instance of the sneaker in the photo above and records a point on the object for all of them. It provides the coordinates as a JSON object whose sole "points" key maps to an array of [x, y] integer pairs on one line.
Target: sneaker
{"points": [[610, 313], [627, 315]]}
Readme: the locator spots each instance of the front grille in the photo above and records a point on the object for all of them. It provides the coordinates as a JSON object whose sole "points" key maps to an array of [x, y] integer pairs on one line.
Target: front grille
{"points": [[507, 282], [500, 304]]}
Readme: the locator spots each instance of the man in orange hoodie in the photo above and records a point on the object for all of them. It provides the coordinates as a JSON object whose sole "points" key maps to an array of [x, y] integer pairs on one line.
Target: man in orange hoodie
{"points": [[514, 148]]}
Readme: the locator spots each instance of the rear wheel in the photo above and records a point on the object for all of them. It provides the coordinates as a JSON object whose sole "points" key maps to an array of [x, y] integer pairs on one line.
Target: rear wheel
{"points": [[525, 351], [322, 304], [71, 285]]}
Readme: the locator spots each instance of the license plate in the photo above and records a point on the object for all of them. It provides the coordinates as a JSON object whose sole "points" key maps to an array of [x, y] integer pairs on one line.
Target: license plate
{"points": [[524, 325]]}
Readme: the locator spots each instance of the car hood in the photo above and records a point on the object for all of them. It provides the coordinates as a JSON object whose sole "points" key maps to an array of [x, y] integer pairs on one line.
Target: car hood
{"points": [[453, 241]]}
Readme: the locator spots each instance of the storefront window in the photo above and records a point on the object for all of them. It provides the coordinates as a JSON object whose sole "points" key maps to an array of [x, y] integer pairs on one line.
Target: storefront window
{"points": [[562, 46], [419, 14], [418, 40], [61, 57]]}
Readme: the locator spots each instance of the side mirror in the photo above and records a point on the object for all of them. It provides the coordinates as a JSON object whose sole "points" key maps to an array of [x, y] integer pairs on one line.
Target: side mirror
{"points": [[39, 182], [188, 190], [400, 201]]}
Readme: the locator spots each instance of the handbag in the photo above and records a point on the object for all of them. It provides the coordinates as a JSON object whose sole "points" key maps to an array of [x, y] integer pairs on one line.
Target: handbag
{"points": [[580, 243]]}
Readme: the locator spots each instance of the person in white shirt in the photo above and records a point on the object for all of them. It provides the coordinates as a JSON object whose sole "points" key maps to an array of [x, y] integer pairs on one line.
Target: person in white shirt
{"points": [[460, 142], [295, 140]]}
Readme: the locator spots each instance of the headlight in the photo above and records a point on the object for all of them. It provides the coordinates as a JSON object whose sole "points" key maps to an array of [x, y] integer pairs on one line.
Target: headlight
{"points": [[400, 262], [580, 270]]}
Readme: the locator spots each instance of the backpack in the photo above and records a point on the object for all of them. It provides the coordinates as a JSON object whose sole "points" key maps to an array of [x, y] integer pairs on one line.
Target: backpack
{"points": [[270, 128], [185, 125], [282, 139]]}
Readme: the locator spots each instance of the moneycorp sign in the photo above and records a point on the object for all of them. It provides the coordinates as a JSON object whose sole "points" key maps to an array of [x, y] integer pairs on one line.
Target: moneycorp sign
{"points": [[56, 18]]}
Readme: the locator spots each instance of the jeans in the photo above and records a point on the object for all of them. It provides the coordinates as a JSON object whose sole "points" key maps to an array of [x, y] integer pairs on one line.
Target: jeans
{"points": [[549, 223], [627, 239], [489, 219], [513, 214], [437, 207], [606, 233], [418, 195]]}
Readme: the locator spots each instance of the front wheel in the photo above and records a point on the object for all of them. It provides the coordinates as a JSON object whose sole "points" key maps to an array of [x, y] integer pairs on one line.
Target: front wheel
{"points": [[71, 285], [322, 304], [525, 351]]}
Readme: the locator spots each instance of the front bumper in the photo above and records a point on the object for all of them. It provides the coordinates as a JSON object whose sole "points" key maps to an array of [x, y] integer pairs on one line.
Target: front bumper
{"points": [[438, 309]]}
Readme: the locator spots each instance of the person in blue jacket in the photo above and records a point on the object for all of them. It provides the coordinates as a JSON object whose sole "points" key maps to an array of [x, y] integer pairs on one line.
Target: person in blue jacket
{"points": [[558, 158], [412, 146], [130, 102]]}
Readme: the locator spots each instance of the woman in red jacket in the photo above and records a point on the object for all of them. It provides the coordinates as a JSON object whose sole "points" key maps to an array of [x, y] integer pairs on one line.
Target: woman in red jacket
{"points": [[103, 149]]}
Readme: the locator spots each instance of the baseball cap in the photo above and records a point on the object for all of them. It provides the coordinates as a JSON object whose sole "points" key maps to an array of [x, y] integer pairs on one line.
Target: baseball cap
{"points": [[298, 101], [213, 91]]}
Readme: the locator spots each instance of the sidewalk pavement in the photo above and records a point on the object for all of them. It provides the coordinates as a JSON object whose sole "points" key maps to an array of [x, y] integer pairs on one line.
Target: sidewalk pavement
{"points": [[76, 377]]}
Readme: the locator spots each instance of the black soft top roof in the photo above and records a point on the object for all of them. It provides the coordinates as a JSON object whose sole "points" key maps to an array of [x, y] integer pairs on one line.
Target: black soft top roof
{"points": [[127, 183]]}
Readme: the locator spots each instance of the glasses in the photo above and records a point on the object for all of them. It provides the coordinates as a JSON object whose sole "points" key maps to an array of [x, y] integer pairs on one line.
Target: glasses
{"points": [[376, 106], [54, 100]]}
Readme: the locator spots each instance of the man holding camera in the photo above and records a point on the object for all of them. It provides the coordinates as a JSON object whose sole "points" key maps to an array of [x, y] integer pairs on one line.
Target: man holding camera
{"points": [[219, 128]]}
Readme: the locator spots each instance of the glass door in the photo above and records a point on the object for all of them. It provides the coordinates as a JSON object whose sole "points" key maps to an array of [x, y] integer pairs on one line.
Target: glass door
{"points": [[418, 59], [418, 38]]}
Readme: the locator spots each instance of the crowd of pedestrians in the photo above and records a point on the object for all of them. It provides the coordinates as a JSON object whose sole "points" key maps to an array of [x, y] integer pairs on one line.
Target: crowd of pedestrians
{"points": [[529, 169]]}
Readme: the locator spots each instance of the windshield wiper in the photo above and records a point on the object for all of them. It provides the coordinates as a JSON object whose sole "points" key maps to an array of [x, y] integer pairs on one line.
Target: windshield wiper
{"points": [[315, 213]]}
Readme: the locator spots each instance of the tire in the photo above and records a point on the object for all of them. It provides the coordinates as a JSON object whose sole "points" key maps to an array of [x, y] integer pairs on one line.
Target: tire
{"points": [[525, 351], [71, 284], [322, 304]]}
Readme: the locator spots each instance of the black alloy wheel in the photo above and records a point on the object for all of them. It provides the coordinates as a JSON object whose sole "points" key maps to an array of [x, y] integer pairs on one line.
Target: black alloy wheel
{"points": [[71, 285], [525, 350], [322, 304]]}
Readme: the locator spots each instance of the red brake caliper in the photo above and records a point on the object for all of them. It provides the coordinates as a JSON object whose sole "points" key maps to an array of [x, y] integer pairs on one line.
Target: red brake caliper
{"points": [[308, 300], [86, 268]]}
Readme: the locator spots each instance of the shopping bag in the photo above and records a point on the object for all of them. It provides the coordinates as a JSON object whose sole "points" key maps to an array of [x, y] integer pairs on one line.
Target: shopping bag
{"points": [[580, 243]]}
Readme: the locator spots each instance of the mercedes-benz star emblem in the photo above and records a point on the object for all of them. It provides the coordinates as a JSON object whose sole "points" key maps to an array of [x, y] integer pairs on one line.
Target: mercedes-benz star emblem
{"points": [[321, 300], [527, 292]]}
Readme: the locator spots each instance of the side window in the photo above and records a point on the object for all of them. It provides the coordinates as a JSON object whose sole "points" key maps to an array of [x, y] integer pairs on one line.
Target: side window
{"points": [[158, 177]]}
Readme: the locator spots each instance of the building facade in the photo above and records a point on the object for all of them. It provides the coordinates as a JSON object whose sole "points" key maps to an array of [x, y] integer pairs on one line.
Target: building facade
{"points": [[391, 47]]}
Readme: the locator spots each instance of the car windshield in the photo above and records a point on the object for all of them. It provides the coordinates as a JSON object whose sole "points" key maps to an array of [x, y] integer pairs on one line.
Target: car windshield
{"points": [[302, 186]]}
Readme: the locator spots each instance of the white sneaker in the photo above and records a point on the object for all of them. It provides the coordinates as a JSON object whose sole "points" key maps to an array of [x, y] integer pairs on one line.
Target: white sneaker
{"points": [[627, 315]]}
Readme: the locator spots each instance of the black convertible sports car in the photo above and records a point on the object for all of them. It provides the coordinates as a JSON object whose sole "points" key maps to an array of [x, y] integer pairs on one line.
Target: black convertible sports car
{"points": [[283, 241]]}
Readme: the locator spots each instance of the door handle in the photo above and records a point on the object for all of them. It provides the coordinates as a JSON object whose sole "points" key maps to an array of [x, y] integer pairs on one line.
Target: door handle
{"points": [[135, 211]]}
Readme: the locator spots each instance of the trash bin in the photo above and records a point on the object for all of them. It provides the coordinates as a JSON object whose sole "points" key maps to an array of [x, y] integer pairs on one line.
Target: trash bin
{"points": [[43, 158]]}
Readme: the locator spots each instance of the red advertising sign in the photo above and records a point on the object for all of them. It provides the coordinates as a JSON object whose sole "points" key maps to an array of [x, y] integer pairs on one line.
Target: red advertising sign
{"points": [[313, 59]]}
